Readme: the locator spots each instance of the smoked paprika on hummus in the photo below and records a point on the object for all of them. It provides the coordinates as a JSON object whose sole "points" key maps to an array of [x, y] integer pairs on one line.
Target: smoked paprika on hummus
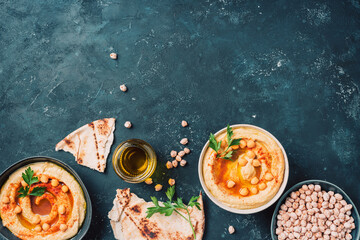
{"points": [[57, 214]]}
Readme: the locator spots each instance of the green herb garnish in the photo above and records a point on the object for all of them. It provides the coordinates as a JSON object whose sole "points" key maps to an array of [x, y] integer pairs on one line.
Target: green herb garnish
{"points": [[170, 206], [29, 178], [217, 145]]}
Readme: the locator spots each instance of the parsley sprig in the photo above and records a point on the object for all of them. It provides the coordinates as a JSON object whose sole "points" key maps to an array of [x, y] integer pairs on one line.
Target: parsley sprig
{"points": [[171, 206], [217, 145], [29, 178]]}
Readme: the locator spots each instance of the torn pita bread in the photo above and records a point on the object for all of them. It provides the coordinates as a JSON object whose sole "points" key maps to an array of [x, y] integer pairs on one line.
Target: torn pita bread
{"points": [[91, 143], [128, 220]]}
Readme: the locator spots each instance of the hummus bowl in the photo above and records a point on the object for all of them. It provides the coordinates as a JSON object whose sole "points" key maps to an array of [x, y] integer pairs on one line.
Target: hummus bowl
{"points": [[325, 186], [68, 201], [254, 176]]}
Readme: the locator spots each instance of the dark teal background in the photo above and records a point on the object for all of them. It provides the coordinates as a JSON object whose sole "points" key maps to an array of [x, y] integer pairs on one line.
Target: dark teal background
{"points": [[291, 67]]}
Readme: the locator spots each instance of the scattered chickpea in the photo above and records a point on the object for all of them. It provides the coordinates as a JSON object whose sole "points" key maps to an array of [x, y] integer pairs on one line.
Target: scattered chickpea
{"points": [[63, 227], [54, 182], [6, 200], [158, 187], [251, 154], [18, 209], [173, 153], [183, 163], [123, 87], [181, 153], [184, 123], [243, 143], [175, 163], [178, 158], [256, 163], [243, 162], [44, 179], [186, 150], [64, 189], [128, 124], [262, 186], [169, 165], [148, 181], [184, 141], [61, 209], [254, 190], [113, 56], [268, 176], [231, 229], [38, 228], [45, 226], [251, 144], [254, 181], [171, 182], [244, 191], [23, 183], [230, 184]]}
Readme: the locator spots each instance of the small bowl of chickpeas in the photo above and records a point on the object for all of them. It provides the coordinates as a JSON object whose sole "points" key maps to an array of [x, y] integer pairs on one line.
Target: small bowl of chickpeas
{"points": [[315, 209]]}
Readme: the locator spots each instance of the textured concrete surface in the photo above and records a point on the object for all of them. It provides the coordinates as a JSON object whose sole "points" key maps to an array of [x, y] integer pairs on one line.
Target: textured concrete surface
{"points": [[291, 67]]}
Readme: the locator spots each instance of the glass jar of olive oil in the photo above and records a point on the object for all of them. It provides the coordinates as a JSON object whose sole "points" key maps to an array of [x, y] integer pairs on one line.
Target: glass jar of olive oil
{"points": [[134, 160]]}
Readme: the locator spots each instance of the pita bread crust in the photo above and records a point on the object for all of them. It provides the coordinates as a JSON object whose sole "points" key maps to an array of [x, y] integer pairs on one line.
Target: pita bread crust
{"points": [[128, 220], [91, 143]]}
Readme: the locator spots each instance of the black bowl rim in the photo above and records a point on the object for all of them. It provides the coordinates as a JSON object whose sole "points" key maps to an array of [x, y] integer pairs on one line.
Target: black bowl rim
{"points": [[23, 162], [313, 181]]}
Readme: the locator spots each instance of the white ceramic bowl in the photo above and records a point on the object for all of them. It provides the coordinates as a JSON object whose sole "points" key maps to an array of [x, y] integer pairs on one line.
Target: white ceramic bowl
{"points": [[244, 211]]}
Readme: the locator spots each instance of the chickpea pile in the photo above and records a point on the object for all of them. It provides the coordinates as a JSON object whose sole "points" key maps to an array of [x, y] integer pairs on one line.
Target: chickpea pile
{"points": [[310, 213]]}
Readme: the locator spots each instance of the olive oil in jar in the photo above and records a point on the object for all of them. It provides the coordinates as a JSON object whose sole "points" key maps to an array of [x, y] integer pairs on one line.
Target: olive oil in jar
{"points": [[133, 161]]}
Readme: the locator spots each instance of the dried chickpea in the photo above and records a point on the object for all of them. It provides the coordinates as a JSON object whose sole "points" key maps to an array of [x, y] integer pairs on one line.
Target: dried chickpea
{"points": [[244, 191], [243, 143], [254, 190], [148, 181], [243, 162], [45, 226], [184, 123], [254, 181], [230, 184], [268, 176], [171, 182], [54, 182], [262, 186], [158, 187], [256, 163], [169, 165], [251, 144], [251, 154]]}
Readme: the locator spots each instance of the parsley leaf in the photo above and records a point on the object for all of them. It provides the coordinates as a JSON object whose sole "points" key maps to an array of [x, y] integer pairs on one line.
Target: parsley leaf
{"points": [[213, 143], [29, 178], [23, 191], [37, 191], [171, 206], [230, 141]]}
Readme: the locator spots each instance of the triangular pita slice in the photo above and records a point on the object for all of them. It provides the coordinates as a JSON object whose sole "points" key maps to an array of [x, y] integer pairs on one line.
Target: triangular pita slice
{"points": [[91, 143], [128, 220]]}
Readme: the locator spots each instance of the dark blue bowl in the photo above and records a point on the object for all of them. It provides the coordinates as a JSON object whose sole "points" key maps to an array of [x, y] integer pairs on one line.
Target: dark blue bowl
{"points": [[5, 175], [324, 186]]}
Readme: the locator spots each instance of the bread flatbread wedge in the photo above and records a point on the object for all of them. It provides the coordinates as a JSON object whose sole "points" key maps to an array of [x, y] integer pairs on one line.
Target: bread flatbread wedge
{"points": [[91, 143], [128, 220]]}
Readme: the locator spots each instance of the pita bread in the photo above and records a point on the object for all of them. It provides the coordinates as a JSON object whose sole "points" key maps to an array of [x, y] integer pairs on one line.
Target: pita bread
{"points": [[128, 220], [91, 143]]}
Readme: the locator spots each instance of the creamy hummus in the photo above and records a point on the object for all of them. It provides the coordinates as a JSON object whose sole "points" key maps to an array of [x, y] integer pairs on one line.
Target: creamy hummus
{"points": [[253, 175], [57, 214]]}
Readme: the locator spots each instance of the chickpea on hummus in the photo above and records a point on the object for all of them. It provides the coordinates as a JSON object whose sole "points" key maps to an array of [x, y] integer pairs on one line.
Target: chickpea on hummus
{"points": [[248, 172], [57, 214]]}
